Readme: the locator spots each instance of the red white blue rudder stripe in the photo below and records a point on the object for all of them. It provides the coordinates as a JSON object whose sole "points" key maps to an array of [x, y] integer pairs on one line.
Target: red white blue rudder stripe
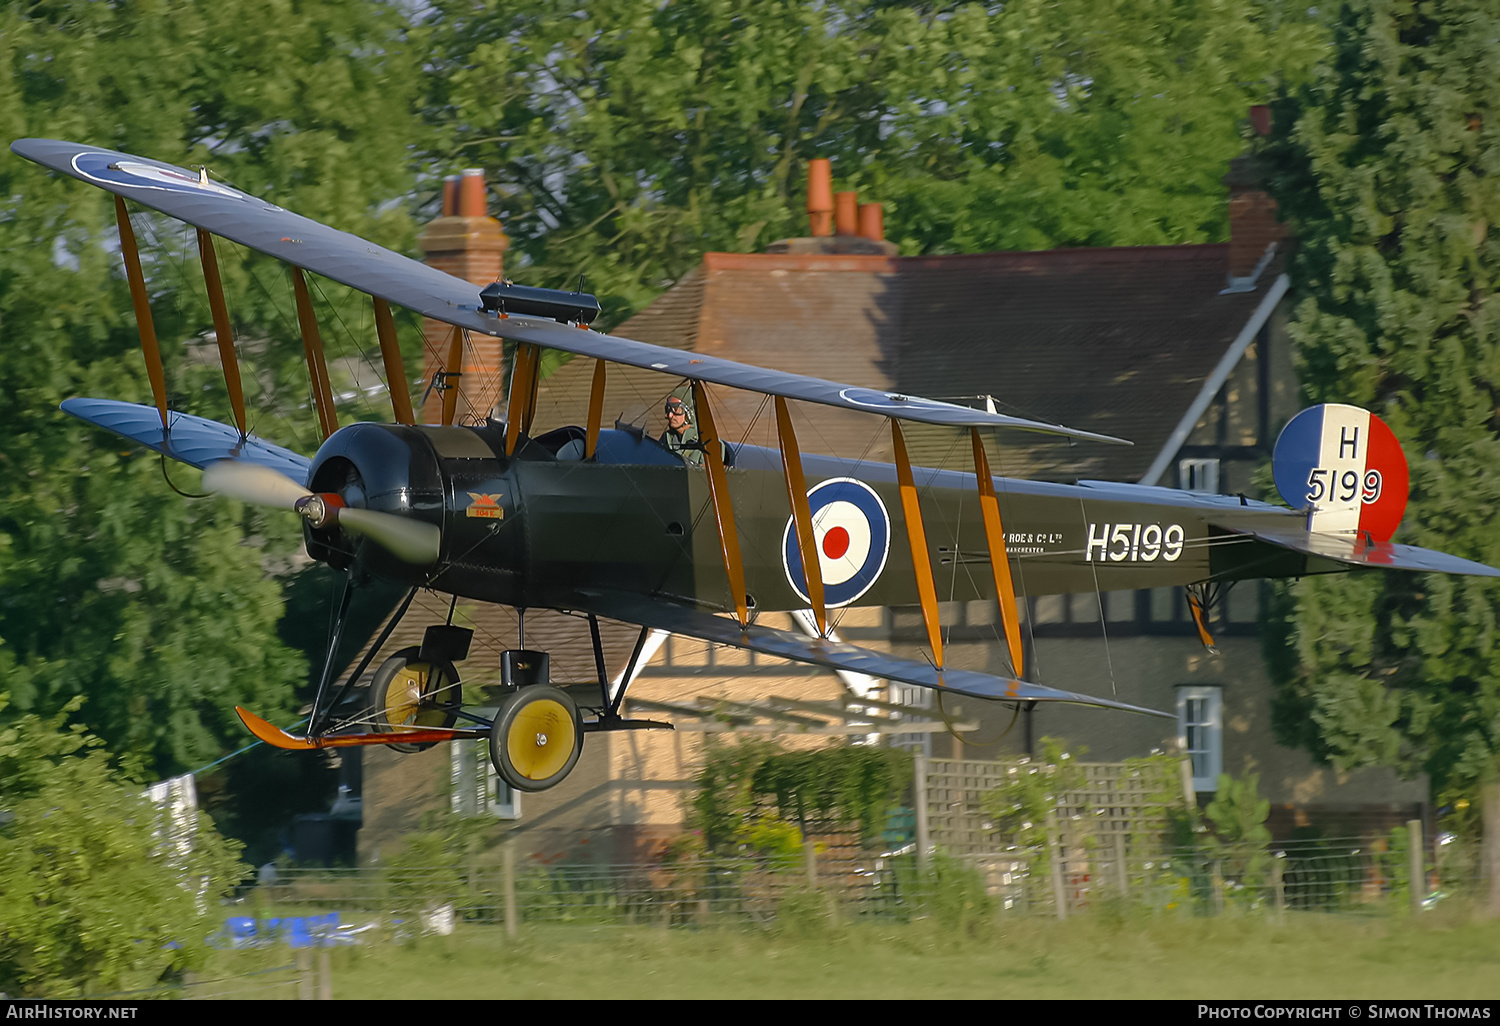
{"points": [[1344, 466], [853, 534]]}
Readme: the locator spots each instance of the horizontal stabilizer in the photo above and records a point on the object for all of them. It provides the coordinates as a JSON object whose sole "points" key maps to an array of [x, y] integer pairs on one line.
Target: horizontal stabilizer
{"points": [[220, 210], [192, 440], [834, 655], [1360, 552]]}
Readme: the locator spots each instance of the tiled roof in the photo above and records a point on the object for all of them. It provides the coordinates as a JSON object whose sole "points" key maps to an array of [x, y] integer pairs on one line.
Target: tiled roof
{"points": [[1113, 340]]}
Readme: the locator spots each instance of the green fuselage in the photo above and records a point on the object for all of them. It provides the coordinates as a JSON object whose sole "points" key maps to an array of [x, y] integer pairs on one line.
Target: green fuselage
{"points": [[541, 532]]}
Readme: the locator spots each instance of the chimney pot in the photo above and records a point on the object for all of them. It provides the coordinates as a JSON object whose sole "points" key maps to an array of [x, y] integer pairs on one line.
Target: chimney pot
{"points": [[872, 221], [820, 197], [1260, 119], [846, 213], [471, 201], [450, 195]]}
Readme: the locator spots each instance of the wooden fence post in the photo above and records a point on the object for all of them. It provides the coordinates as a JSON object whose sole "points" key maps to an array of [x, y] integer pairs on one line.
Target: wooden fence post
{"points": [[919, 798], [508, 885], [809, 856], [1418, 883], [305, 984], [1120, 864], [1059, 893], [1278, 884]]}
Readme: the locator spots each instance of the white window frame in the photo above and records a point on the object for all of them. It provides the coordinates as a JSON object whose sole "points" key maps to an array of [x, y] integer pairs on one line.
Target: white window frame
{"points": [[1200, 718], [475, 789], [917, 698], [1198, 475]]}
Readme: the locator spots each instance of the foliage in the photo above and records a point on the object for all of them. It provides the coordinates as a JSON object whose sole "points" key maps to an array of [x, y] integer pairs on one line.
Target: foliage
{"points": [[947, 890], [426, 871], [629, 137], [159, 610], [91, 898], [722, 804], [753, 795], [1385, 164], [1026, 803], [849, 784], [1239, 838]]}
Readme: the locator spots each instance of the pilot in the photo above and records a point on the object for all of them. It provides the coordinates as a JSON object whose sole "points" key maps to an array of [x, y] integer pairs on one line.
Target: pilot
{"points": [[681, 433]]}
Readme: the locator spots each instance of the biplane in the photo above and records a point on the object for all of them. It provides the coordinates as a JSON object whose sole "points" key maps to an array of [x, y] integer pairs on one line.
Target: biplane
{"points": [[608, 523]]}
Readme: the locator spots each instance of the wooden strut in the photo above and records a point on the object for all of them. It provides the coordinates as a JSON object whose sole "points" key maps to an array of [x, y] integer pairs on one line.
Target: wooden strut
{"points": [[596, 411], [718, 493], [994, 534], [223, 332], [916, 536], [796, 491], [143, 321], [395, 369], [1200, 620], [452, 374], [312, 347], [523, 382]]}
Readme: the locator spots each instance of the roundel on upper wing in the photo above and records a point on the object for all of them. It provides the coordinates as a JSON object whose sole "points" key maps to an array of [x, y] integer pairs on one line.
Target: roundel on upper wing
{"points": [[110, 169], [852, 532]]}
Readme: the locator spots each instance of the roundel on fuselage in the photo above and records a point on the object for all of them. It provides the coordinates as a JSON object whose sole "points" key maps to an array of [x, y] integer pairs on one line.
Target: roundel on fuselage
{"points": [[852, 532]]}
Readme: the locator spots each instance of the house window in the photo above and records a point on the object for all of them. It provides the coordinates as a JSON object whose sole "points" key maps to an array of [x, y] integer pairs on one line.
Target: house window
{"points": [[477, 789], [1200, 733], [1198, 475], [915, 698]]}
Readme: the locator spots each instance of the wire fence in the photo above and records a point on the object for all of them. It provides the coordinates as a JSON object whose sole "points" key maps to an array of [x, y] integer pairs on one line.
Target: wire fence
{"points": [[1351, 875]]}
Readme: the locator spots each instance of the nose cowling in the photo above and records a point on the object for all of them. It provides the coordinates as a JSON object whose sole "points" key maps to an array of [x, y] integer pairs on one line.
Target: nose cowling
{"points": [[389, 468]]}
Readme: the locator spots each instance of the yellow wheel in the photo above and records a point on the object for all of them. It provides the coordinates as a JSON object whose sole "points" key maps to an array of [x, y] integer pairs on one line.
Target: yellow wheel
{"points": [[536, 739], [407, 693]]}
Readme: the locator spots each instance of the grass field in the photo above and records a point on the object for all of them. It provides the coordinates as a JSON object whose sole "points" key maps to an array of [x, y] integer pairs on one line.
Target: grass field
{"points": [[1442, 955]]}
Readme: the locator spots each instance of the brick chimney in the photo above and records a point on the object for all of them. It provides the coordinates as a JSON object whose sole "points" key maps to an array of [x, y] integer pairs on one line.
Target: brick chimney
{"points": [[1254, 227], [837, 222], [469, 244]]}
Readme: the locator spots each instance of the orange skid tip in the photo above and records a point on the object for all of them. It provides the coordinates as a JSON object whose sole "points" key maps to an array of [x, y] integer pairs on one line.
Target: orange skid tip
{"points": [[278, 738]]}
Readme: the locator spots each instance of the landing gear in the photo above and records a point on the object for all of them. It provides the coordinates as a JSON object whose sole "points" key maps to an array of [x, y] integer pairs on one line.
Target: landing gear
{"points": [[536, 738], [410, 692]]}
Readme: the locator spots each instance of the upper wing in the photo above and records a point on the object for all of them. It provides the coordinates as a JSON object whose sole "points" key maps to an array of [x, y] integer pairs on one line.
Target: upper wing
{"points": [[193, 440], [835, 655], [363, 265]]}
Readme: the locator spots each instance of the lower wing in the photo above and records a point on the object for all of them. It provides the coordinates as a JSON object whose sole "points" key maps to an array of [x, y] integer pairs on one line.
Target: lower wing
{"points": [[835, 655], [192, 440]]}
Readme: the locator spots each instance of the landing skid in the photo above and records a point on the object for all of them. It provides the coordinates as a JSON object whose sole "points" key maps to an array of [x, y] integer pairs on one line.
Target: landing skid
{"points": [[278, 738]]}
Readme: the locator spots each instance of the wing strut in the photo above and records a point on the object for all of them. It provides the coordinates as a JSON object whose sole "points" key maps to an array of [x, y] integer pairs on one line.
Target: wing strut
{"points": [[223, 332], [312, 347], [453, 373], [596, 411], [142, 303], [994, 534], [718, 492], [796, 490], [523, 381], [395, 370], [916, 535]]}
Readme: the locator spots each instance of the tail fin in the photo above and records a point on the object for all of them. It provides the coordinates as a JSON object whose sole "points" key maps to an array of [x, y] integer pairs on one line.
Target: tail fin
{"points": [[1343, 466]]}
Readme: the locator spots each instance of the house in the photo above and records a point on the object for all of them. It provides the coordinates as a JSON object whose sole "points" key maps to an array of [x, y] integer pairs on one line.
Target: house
{"points": [[1181, 349]]}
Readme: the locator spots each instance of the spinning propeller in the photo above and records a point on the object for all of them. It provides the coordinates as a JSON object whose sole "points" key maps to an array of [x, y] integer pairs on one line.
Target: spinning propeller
{"points": [[414, 541]]}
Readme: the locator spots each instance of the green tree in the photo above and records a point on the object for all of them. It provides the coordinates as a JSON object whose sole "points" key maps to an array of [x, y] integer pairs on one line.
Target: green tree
{"points": [[94, 897], [158, 609], [1386, 165], [627, 137]]}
